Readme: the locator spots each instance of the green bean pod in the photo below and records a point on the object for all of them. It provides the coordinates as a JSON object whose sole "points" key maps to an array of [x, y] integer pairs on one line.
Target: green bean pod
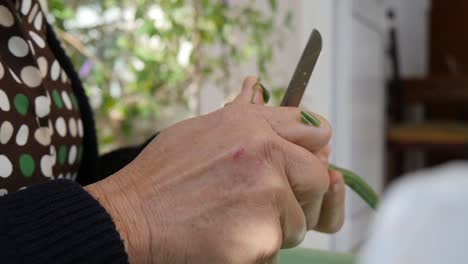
{"points": [[358, 185]]}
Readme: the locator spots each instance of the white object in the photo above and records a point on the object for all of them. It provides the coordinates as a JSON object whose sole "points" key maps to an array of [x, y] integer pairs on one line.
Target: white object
{"points": [[424, 219]]}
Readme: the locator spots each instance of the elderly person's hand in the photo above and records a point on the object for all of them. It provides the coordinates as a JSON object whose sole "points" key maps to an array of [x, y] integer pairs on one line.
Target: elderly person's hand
{"points": [[233, 186]]}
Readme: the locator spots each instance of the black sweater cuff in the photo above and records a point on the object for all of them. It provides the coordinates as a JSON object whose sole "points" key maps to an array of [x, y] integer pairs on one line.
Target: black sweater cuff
{"points": [[57, 222]]}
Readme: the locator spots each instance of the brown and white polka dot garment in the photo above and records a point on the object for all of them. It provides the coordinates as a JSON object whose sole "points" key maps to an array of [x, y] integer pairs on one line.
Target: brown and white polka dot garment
{"points": [[40, 125]]}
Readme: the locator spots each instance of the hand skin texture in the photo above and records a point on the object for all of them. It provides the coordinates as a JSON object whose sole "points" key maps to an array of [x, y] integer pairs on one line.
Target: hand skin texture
{"points": [[233, 186]]}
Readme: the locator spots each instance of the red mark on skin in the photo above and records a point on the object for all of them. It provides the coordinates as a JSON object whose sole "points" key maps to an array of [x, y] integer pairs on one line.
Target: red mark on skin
{"points": [[239, 154]]}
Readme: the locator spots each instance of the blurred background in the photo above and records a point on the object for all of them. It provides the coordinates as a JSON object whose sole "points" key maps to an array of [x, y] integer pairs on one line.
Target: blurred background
{"points": [[149, 63], [391, 78]]}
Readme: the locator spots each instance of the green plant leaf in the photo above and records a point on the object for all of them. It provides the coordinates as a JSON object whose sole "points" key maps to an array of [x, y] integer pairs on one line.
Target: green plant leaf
{"points": [[273, 4], [288, 19]]}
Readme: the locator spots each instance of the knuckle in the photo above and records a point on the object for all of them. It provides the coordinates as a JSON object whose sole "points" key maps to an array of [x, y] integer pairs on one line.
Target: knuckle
{"points": [[270, 249], [267, 241], [295, 234], [313, 221], [274, 190], [328, 131], [315, 185], [322, 180], [336, 225], [312, 213]]}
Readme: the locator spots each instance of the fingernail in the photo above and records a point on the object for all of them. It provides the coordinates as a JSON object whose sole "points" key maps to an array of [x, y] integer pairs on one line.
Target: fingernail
{"points": [[310, 120], [266, 94], [336, 186]]}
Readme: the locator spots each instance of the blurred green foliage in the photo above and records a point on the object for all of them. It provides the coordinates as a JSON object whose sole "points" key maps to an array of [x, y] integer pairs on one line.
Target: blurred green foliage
{"points": [[138, 57]]}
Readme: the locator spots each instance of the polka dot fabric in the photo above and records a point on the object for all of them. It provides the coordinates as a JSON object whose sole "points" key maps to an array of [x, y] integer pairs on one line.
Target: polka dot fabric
{"points": [[40, 125]]}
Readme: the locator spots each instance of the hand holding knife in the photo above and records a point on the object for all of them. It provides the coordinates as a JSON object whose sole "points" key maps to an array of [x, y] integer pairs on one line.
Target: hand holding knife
{"points": [[293, 97]]}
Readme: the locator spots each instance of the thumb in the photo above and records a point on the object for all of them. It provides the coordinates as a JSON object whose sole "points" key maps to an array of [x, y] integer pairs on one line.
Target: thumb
{"points": [[252, 92]]}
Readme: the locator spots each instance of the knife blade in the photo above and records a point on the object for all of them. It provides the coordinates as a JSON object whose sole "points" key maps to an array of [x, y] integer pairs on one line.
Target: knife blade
{"points": [[301, 76]]}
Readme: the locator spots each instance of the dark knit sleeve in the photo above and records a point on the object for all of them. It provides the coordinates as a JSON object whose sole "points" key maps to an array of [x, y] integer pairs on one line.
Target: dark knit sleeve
{"points": [[57, 222]]}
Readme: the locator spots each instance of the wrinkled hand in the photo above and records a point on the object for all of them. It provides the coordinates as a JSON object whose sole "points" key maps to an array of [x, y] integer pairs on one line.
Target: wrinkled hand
{"points": [[233, 186]]}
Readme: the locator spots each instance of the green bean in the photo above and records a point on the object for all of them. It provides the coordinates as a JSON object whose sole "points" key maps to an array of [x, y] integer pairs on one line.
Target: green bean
{"points": [[265, 92], [310, 120], [358, 185]]}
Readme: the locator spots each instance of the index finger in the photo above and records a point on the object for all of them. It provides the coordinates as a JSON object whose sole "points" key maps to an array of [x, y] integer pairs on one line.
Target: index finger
{"points": [[252, 92]]}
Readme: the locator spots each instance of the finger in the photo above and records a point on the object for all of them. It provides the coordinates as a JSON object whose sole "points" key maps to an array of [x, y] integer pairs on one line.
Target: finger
{"points": [[274, 260], [312, 212], [287, 123], [333, 206], [293, 221], [291, 216], [251, 92], [308, 178], [324, 155]]}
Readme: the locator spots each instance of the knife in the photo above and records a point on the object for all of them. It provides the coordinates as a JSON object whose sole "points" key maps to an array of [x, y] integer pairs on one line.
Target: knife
{"points": [[304, 69]]}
